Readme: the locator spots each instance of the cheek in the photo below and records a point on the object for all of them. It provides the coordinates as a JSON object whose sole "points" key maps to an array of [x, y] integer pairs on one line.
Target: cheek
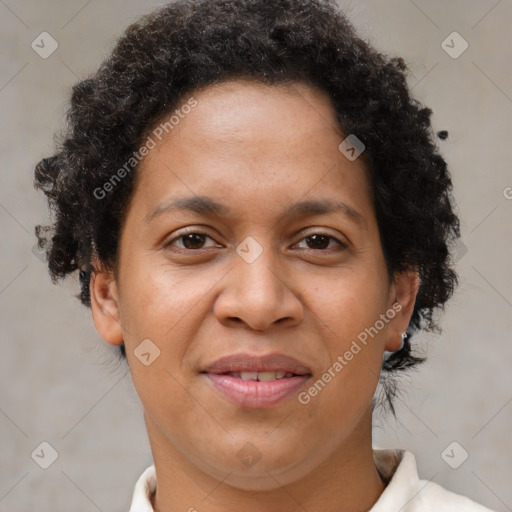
{"points": [[158, 297], [349, 303], [167, 306], [353, 334]]}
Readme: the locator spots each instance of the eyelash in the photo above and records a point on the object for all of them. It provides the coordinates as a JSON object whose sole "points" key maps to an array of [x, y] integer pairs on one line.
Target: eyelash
{"points": [[342, 245]]}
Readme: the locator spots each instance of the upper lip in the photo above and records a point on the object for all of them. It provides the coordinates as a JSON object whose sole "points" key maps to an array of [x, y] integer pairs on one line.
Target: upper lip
{"points": [[252, 363]]}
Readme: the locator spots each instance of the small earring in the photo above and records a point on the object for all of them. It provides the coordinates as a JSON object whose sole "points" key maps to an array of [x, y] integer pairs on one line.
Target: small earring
{"points": [[387, 353], [404, 337]]}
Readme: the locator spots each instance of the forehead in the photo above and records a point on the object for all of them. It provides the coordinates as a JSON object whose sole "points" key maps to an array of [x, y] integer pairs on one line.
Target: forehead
{"points": [[248, 113], [255, 96], [246, 141]]}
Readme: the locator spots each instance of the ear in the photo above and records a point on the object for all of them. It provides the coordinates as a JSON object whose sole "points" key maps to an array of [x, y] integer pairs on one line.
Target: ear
{"points": [[403, 297], [105, 305]]}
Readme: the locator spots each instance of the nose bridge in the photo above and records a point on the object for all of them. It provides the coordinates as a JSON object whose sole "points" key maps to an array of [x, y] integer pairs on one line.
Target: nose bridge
{"points": [[259, 279], [257, 294], [259, 274]]}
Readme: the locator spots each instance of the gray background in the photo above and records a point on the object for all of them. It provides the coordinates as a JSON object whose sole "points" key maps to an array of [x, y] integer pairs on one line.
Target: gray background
{"points": [[60, 383]]}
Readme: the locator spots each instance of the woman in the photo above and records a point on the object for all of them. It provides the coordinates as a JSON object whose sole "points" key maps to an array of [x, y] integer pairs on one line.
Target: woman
{"points": [[261, 222]]}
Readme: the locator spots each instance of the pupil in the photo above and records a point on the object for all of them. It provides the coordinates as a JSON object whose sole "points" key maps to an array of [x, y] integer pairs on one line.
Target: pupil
{"points": [[195, 238], [191, 241], [316, 238]]}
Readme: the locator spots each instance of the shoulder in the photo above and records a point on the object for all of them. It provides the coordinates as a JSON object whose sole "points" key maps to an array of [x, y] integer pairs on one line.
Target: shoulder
{"points": [[144, 488], [406, 492], [444, 500]]}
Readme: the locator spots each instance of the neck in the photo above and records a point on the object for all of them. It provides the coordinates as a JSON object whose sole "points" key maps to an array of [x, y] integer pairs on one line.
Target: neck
{"points": [[347, 481]]}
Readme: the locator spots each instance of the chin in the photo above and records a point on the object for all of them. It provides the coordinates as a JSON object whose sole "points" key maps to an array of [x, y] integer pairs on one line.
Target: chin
{"points": [[264, 478], [260, 483], [265, 470]]}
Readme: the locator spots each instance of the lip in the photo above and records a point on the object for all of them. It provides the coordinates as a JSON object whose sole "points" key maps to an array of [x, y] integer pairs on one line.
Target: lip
{"points": [[251, 363], [256, 394]]}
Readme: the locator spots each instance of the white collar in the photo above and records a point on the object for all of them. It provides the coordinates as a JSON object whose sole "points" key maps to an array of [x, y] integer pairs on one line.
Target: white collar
{"points": [[404, 490]]}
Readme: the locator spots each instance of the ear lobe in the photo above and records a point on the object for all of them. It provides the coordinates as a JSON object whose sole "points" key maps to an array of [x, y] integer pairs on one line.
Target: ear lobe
{"points": [[105, 306], [405, 287]]}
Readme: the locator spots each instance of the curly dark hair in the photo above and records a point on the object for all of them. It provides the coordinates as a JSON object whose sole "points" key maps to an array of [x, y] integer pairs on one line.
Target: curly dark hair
{"points": [[187, 45]]}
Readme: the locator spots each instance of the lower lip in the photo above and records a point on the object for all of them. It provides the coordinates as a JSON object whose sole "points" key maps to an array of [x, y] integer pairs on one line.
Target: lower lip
{"points": [[255, 394]]}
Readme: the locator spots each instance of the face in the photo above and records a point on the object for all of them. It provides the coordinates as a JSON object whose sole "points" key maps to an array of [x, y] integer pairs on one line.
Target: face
{"points": [[250, 270]]}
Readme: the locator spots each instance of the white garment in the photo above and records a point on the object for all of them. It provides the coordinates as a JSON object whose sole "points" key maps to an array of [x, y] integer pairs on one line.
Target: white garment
{"points": [[405, 492]]}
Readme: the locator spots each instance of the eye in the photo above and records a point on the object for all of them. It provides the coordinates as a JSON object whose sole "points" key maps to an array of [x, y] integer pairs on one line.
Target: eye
{"points": [[321, 241], [193, 240]]}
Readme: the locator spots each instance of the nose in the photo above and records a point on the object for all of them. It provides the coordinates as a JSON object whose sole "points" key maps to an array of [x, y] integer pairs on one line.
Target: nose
{"points": [[258, 295]]}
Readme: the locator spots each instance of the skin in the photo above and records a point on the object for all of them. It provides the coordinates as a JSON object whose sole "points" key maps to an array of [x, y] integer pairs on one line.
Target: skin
{"points": [[256, 149]]}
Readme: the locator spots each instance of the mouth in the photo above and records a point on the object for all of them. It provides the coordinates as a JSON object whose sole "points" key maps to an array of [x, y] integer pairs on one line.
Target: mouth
{"points": [[263, 376], [257, 382]]}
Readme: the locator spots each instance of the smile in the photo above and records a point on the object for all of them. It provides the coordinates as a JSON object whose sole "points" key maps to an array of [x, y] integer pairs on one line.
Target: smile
{"points": [[257, 394], [257, 382]]}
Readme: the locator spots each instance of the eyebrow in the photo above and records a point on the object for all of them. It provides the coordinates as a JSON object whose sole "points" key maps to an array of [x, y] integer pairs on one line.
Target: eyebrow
{"points": [[207, 206]]}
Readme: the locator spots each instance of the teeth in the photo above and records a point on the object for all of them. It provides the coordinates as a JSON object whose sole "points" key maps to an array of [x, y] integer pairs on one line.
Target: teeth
{"points": [[264, 376], [249, 375]]}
